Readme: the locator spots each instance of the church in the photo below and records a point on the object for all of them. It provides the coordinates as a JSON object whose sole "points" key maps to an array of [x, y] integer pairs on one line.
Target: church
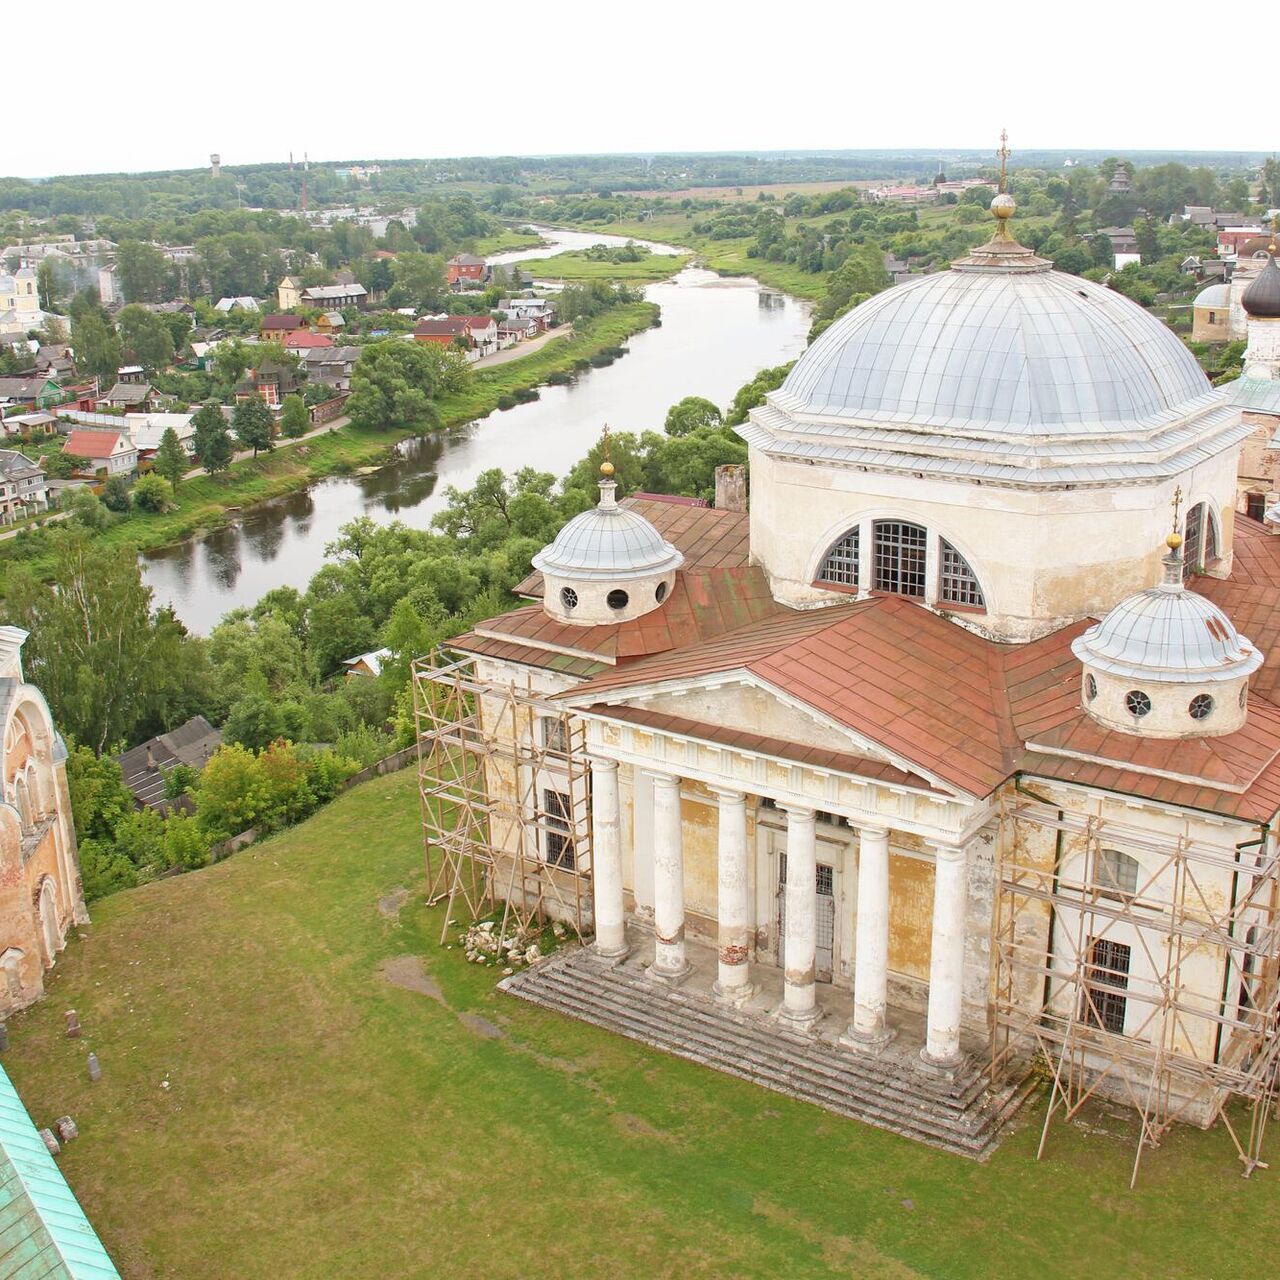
{"points": [[952, 762]]}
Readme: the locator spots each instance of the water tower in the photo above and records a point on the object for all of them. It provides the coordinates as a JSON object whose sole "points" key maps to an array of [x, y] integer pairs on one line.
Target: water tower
{"points": [[215, 165]]}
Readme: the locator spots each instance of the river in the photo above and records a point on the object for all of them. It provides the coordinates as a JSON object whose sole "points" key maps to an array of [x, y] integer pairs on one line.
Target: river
{"points": [[715, 335]]}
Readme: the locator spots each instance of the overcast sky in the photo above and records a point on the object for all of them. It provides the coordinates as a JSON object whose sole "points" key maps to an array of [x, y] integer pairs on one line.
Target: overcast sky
{"points": [[136, 85]]}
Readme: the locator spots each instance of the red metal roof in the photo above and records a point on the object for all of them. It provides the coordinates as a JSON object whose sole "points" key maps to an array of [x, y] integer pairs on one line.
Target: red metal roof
{"points": [[303, 339], [91, 444]]}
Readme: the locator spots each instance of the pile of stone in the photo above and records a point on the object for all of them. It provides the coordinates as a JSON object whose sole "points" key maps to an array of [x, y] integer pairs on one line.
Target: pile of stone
{"points": [[484, 944]]}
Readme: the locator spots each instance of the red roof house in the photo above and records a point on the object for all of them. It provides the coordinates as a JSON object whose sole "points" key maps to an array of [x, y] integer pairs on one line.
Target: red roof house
{"points": [[304, 340]]}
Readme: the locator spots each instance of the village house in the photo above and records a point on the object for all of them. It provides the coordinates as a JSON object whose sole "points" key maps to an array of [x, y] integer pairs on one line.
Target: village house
{"points": [[466, 269], [331, 366], [304, 340], [241, 303], [132, 395], [330, 322], [331, 297], [36, 391], [478, 335], [275, 328], [942, 758], [22, 487], [517, 330], [540, 309], [366, 664], [41, 896], [39, 422], [271, 380], [112, 452], [145, 766], [289, 294], [146, 430]]}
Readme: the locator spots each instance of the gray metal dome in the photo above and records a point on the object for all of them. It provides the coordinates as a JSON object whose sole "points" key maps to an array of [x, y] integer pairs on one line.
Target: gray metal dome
{"points": [[1169, 635], [608, 543], [1028, 353]]}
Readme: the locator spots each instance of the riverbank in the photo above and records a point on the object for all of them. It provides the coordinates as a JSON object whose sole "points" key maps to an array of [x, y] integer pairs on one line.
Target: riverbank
{"points": [[208, 502], [575, 267], [506, 240], [725, 257]]}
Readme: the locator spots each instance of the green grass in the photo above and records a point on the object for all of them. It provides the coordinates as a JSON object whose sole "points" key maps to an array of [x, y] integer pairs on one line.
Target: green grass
{"points": [[320, 1122], [575, 266], [506, 240]]}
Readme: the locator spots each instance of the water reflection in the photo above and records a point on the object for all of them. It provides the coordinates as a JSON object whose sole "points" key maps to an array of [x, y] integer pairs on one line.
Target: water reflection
{"points": [[716, 334]]}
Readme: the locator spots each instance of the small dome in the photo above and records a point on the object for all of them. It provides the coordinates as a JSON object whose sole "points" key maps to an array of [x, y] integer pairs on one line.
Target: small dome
{"points": [[1167, 635], [1214, 295], [609, 543], [1262, 298]]}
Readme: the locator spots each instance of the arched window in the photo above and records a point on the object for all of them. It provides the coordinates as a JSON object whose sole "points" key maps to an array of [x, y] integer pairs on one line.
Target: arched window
{"points": [[899, 557], [23, 803], [1200, 539], [959, 583], [840, 564], [1117, 873]]}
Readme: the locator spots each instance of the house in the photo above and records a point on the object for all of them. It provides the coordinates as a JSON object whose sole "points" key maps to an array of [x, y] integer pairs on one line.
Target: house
{"points": [[540, 309], [22, 487], [1230, 239], [483, 331], [54, 360], [466, 269], [241, 303], [271, 380], [366, 664], [276, 327], [331, 366], [445, 331], [145, 766], [933, 766], [329, 321], [332, 297], [37, 391], [137, 396], [110, 451], [513, 331], [41, 897], [289, 293], [146, 430], [1124, 240], [305, 340], [39, 422]]}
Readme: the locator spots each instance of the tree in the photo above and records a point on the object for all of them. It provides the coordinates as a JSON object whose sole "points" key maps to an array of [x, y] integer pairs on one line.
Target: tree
{"points": [[97, 346], [116, 495], [295, 419], [393, 384], [143, 271], [252, 424], [145, 337], [105, 663], [211, 440], [338, 629], [233, 794], [171, 458], [689, 414], [46, 284], [860, 275], [152, 493]]}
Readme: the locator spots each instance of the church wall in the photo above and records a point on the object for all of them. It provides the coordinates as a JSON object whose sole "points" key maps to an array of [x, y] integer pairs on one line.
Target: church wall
{"points": [[1259, 463], [1041, 557]]}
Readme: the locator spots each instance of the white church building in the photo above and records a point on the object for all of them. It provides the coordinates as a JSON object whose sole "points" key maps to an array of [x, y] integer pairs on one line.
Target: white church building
{"points": [[945, 759]]}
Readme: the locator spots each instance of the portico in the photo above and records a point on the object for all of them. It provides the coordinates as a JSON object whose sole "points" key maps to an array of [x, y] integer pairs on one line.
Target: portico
{"points": [[738, 978]]}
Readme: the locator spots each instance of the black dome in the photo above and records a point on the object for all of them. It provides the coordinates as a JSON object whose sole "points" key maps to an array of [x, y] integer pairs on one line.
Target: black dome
{"points": [[1262, 297]]}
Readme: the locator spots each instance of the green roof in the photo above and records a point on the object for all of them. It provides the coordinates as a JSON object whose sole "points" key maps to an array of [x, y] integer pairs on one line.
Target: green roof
{"points": [[44, 1234]]}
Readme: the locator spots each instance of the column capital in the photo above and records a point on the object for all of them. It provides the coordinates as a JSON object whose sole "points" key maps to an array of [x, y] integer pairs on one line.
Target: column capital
{"points": [[803, 812], [872, 830], [601, 763], [729, 795], [662, 777], [946, 851]]}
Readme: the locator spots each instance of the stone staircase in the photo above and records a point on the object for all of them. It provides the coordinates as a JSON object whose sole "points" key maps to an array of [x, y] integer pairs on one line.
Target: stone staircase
{"points": [[958, 1113]]}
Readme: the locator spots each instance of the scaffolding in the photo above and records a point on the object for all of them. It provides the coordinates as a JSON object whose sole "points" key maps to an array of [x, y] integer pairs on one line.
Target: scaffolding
{"points": [[504, 787], [1106, 976]]}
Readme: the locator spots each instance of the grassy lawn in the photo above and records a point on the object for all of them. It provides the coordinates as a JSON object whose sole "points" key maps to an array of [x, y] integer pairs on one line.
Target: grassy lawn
{"points": [[505, 240], [321, 1122], [576, 266]]}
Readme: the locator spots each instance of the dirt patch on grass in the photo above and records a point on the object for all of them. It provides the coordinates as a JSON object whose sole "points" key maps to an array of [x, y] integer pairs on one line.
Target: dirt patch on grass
{"points": [[407, 972], [633, 1126], [481, 1026], [391, 905], [840, 1253]]}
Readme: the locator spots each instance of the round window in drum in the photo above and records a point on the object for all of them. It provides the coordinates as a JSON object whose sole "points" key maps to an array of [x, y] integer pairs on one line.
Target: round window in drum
{"points": [[1137, 703]]}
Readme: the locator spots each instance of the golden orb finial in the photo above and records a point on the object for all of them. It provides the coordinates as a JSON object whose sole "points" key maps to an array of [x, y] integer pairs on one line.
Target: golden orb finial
{"points": [[1173, 541], [606, 468]]}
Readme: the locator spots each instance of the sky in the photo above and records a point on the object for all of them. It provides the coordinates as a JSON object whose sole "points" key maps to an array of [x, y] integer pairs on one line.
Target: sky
{"points": [[394, 79]]}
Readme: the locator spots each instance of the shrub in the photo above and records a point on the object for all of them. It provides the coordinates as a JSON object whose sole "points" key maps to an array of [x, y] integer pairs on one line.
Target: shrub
{"points": [[153, 493], [507, 402], [186, 846], [526, 395], [115, 494], [601, 360], [559, 378]]}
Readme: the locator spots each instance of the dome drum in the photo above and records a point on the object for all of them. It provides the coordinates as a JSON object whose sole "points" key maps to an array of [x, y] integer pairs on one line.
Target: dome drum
{"points": [[1151, 709], [598, 602]]}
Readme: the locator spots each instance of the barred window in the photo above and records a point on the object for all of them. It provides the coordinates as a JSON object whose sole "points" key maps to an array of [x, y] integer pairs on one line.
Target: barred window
{"points": [[558, 844], [900, 557], [841, 563], [959, 582], [1104, 1006], [1200, 539]]}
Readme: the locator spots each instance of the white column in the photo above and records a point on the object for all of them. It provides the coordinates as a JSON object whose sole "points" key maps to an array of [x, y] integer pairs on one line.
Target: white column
{"points": [[606, 860], [871, 942], [733, 906], [946, 958], [799, 997], [669, 963]]}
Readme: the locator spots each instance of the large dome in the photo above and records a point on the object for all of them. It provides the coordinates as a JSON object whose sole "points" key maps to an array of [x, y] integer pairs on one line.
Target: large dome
{"points": [[985, 350]]}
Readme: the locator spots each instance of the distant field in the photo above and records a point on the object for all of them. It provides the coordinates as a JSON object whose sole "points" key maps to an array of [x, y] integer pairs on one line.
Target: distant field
{"points": [[731, 194]]}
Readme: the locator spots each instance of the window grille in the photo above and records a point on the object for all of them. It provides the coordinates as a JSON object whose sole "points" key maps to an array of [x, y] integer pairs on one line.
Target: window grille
{"points": [[555, 735], [1108, 976], [558, 844], [1193, 533], [900, 557], [841, 563], [959, 582], [1117, 872]]}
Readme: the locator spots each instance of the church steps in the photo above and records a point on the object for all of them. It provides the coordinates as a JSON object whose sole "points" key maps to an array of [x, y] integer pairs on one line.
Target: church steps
{"points": [[959, 1116]]}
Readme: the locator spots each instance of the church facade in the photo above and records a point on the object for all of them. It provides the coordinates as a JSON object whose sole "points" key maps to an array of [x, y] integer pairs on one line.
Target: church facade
{"points": [[947, 755]]}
